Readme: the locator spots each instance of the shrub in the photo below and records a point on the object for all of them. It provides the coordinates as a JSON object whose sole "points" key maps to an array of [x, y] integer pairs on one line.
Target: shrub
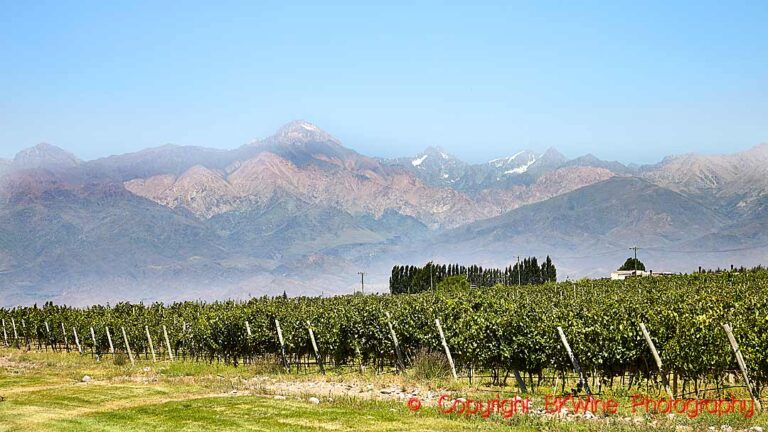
{"points": [[120, 359], [430, 365]]}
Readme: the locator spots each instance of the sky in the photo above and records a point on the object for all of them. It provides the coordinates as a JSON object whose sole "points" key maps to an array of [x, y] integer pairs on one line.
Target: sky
{"points": [[630, 81]]}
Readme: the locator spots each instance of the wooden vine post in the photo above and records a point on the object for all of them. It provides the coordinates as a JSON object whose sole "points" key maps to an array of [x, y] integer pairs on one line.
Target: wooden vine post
{"points": [[743, 366], [127, 346], [77, 341], [167, 343], [48, 334], [657, 358], [64, 332], [15, 335], [37, 338], [574, 361], [184, 339], [359, 356], [26, 335], [318, 359], [248, 339], [109, 339], [286, 365], [151, 346], [398, 353], [520, 381], [93, 338], [447, 350], [5, 333]]}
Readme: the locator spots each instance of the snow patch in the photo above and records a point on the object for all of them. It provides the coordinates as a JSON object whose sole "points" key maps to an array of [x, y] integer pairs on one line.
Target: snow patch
{"points": [[505, 160], [521, 169], [417, 162], [308, 127]]}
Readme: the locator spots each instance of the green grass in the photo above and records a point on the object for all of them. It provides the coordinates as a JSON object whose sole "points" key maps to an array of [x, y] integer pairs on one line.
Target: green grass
{"points": [[44, 392]]}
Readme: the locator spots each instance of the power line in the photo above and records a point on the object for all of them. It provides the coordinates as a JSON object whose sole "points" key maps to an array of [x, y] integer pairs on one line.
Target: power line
{"points": [[709, 251], [658, 249], [574, 257]]}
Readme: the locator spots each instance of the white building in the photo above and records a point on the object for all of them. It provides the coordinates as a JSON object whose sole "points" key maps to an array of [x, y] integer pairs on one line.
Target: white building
{"points": [[623, 274]]}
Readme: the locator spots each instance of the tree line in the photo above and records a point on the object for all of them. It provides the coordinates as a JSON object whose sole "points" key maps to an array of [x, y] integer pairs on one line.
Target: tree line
{"points": [[412, 279]]}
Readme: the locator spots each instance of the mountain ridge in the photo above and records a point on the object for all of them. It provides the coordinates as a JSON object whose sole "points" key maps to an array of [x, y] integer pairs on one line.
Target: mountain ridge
{"points": [[297, 210]]}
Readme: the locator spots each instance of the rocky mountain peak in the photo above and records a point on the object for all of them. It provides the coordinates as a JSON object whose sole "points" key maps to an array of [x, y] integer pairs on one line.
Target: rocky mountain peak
{"points": [[45, 155], [553, 156], [438, 152], [302, 143], [434, 155], [758, 152], [302, 132]]}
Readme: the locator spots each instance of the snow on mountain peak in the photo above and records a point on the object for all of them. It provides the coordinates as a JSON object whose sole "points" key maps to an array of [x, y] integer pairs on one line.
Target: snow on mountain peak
{"points": [[301, 131], [505, 160], [521, 169], [518, 163], [416, 162]]}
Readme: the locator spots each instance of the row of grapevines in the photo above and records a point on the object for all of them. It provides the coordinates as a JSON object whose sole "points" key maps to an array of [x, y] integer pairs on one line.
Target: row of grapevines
{"points": [[504, 327]]}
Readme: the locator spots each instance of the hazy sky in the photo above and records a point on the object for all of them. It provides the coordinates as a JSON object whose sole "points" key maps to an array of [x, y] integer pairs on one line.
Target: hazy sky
{"points": [[631, 81]]}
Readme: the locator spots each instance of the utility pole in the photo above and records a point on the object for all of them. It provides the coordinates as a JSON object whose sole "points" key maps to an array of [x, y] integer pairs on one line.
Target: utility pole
{"points": [[362, 281], [635, 249], [431, 287]]}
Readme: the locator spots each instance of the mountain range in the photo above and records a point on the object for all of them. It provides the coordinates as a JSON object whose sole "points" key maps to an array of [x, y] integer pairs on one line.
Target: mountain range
{"points": [[298, 212]]}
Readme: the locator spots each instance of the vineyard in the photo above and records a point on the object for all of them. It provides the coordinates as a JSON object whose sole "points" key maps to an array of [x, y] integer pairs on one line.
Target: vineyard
{"points": [[496, 332]]}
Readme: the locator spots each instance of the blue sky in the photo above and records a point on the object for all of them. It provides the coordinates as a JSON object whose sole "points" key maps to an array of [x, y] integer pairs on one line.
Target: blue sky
{"points": [[631, 81]]}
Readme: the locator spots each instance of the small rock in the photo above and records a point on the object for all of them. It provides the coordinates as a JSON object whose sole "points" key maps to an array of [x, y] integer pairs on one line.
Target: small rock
{"points": [[233, 392], [726, 428], [147, 369], [314, 400], [756, 429], [86, 379], [278, 397], [588, 415]]}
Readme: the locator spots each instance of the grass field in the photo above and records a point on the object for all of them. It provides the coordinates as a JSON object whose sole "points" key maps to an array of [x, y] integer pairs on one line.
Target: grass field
{"points": [[46, 392]]}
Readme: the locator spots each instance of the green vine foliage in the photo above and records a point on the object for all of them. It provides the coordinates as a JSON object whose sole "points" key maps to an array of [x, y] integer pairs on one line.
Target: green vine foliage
{"points": [[501, 328]]}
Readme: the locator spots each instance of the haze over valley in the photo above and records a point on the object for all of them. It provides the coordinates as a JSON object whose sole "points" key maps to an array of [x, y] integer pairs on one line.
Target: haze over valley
{"points": [[301, 212]]}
